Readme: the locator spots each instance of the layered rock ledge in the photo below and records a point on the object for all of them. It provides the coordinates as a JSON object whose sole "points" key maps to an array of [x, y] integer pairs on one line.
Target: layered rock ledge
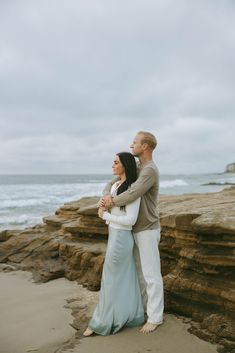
{"points": [[197, 256]]}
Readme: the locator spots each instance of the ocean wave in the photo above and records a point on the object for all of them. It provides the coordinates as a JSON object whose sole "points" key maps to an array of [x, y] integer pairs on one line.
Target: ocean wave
{"points": [[218, 183], [173, 183], [12, 199], [23, 220], [13, 204]]}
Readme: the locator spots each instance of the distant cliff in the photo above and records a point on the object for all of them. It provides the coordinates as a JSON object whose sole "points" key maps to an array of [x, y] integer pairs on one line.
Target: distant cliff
{"points": [[230, 168]]}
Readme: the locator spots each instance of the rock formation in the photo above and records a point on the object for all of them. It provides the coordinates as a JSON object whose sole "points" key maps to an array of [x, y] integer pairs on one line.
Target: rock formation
{"points": [[197, 251], [230, 168], [197, 256]]}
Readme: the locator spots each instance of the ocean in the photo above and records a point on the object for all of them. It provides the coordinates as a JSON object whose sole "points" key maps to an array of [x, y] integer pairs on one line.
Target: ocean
{"points": [[25, 199]]}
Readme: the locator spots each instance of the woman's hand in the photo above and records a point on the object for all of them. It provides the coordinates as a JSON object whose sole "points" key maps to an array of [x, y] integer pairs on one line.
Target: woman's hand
{"points": [[101, 211], [101, 202]]}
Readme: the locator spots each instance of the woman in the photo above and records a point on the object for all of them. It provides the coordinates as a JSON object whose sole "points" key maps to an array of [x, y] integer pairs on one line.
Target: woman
{"points": [[120, 301]]}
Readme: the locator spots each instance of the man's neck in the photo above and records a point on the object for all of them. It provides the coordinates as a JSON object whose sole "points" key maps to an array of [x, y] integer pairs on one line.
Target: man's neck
{"points": [[144, 160]]}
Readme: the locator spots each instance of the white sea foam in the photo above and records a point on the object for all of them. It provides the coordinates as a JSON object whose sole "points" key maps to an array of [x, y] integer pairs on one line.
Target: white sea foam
{"points": [[23, 205], [172, 183], [15, 221]]}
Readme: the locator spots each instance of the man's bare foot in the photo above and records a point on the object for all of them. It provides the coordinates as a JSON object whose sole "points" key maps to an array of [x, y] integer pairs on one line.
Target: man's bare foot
{"points": [[88, 332], [148, 327]]}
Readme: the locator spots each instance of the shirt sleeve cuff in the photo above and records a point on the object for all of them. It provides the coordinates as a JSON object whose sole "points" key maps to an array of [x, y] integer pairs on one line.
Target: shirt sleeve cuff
{"points": [[105, 216]]}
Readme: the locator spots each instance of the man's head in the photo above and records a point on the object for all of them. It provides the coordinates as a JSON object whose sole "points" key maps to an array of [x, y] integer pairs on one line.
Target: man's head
{"points": [[144, 142]]}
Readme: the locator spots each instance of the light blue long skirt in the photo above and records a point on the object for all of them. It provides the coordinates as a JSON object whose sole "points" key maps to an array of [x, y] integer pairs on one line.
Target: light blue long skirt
{"points": [[120, 301]]}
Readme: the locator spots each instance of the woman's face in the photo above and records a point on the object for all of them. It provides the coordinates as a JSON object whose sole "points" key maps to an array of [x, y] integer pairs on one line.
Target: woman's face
{"points": [[117, 166]]}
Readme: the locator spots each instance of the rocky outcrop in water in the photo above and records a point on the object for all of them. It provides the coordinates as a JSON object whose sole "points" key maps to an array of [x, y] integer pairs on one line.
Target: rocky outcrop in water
{"points": [[230, 168], [197, 255]]}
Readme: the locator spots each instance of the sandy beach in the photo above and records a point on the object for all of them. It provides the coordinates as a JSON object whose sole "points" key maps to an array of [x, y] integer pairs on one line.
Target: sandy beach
{"points": [[34, 319], [32, 315]]}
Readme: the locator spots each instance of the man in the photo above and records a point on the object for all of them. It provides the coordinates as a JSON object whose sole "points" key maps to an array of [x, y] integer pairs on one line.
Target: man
{"points": [[147, 228]]}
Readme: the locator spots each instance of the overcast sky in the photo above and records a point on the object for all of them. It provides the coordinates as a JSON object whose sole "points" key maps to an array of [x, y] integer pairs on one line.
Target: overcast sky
{"points": [[78, 79]]}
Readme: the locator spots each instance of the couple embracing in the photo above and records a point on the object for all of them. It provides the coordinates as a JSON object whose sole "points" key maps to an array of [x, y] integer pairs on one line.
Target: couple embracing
{"points": [[131, 281]]}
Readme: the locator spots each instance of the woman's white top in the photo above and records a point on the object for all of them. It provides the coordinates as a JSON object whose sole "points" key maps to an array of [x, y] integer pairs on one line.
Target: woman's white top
{"points": [[122, 219]]}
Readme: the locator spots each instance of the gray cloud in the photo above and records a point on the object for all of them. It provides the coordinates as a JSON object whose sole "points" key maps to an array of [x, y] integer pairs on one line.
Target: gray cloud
{"points": [[78, 79]]}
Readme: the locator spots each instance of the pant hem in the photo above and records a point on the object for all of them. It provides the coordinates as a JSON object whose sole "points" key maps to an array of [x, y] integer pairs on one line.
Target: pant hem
{"points": [[155, 323]]}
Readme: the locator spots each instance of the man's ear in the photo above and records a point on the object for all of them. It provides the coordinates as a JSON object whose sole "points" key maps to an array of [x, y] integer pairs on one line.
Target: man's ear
{"points": [[145, 146]]}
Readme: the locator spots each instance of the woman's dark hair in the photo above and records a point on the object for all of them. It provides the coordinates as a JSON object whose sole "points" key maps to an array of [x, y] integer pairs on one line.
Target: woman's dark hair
{"points": [[129, 164]]}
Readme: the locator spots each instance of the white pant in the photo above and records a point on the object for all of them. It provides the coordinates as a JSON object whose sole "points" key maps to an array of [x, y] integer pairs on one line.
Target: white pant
{"points": [[149, 271]]}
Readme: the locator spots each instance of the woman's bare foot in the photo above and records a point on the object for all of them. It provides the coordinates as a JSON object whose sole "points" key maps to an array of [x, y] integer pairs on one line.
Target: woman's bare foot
{"points": [[88, 332], [148, 327]]}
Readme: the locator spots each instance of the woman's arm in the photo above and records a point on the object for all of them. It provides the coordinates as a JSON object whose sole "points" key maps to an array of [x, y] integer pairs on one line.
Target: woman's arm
{"points": [[129, 219]]}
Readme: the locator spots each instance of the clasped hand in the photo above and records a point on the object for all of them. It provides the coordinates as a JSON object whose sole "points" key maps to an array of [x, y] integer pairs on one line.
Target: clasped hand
{"points": [[104, 203]]}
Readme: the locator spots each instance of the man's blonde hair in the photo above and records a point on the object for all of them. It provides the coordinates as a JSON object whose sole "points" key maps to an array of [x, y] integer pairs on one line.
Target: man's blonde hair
{"points": [[148, 138]]}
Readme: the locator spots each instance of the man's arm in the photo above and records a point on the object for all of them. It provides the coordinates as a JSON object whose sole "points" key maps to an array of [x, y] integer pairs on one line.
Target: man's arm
{"points": [[109, 185], [144, 182]]}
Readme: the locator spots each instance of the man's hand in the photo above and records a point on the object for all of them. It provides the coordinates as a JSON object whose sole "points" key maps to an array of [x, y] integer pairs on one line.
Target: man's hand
{"points": [[106, 201]]}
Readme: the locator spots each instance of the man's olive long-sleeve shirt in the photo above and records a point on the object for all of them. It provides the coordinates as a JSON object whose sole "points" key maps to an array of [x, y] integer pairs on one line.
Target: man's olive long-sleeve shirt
{"points": [[146, 187]]}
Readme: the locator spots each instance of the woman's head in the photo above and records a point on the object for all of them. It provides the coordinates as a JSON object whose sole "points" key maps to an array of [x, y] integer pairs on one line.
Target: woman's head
{"points": [[124, 163]]}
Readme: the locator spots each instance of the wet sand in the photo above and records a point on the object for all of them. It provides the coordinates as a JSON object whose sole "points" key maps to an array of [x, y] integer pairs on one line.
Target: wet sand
{"points": [[171, 337], [32, 316], [33, 319]]}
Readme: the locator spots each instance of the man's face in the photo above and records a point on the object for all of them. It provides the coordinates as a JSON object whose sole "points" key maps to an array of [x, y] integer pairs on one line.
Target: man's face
{"points": [[136, 146]]}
